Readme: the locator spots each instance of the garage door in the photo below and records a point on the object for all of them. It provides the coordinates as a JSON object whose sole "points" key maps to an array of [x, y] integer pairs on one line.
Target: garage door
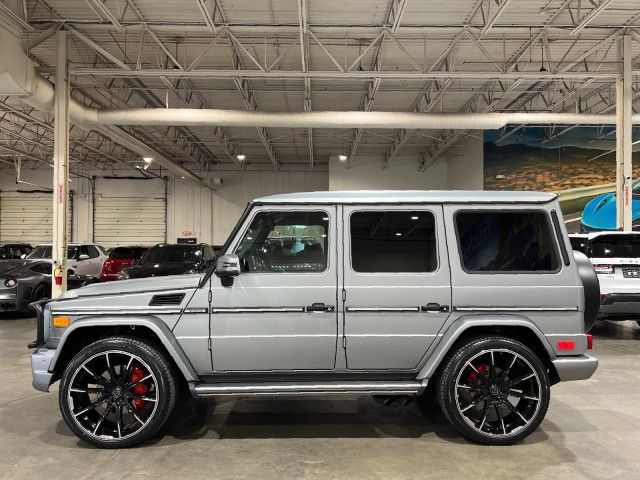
{"points": [[135, 219], [28, 217]]}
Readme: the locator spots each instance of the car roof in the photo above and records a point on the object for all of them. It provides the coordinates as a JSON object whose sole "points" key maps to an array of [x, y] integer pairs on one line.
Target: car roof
{"points": [[68, 244], [592, 235], [406, 196]]}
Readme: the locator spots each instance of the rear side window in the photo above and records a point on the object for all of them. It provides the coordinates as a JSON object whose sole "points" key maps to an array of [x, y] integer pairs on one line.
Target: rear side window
{"points": [[393, 241], [615, 246], [499, 241], [120, 253]]}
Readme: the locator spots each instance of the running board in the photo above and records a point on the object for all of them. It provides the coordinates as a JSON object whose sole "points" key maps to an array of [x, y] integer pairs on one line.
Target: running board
{"points": [[308, 388]]}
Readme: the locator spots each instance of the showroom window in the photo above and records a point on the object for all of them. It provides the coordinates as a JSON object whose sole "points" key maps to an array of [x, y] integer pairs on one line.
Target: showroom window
{"points": [[492, 241], [393, 241], [281, 241]]}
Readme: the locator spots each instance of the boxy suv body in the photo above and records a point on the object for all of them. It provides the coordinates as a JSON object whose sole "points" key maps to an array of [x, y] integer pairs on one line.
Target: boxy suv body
{"points": [[473, 298]]}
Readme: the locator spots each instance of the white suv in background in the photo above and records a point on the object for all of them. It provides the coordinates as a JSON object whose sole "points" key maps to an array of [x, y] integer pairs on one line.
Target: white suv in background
{"points": [[83, 258], [616, 259]]}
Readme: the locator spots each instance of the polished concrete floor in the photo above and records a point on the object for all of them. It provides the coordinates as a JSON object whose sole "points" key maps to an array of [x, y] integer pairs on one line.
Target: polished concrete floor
{"points": [[592, 431]]}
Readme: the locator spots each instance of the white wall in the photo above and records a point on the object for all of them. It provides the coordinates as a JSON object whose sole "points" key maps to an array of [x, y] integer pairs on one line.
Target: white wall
{"points": [[210, 215]]}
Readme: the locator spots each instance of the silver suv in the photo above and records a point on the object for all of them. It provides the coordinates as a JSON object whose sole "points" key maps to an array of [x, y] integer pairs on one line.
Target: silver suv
{"points": [[471, 298]]}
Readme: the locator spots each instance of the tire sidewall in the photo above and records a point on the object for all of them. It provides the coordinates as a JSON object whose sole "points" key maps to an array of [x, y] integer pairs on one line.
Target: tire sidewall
{"points": [[447, 388], [165, 386]]}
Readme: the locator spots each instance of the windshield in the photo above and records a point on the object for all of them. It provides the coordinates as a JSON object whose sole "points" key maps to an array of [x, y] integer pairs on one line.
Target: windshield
{"points": [[44, 252], [615, 246], [635, 187], [172, 254]]}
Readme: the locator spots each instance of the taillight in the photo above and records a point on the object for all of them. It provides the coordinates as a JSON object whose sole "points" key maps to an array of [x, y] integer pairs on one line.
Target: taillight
{"points": [[589, 341], [603, 268], [566, 345]]}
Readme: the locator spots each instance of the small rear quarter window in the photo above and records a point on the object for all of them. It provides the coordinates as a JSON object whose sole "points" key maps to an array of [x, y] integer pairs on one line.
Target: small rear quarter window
{"points": [[494, 241]]}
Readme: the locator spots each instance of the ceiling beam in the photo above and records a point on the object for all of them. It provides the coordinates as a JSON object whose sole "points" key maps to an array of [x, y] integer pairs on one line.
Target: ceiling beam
{"points": [[591, 16]]}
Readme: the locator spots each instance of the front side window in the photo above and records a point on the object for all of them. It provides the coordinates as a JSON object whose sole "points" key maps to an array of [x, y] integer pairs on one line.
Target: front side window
{"points": [[517, 241], [278, 241], [393, 241]]}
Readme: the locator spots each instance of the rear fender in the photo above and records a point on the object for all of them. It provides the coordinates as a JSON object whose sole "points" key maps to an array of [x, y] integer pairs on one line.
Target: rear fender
{"points": [[463, 324]]}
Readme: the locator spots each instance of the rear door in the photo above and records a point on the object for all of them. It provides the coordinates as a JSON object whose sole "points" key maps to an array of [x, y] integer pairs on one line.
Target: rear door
{"points": [[396, 284]]}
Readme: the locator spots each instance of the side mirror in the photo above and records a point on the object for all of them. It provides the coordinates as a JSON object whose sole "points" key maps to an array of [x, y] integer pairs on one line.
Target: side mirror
{"points": [[83, 256], [227, 267]]}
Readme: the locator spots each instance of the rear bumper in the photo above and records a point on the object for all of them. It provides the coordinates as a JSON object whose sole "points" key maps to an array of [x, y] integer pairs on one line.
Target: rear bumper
{"points": [[620, 305], [578, 367], [40, 362]]}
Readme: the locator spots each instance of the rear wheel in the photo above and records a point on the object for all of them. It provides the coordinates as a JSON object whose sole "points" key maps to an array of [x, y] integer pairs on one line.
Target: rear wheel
{"points": [[494, 390], [117, 392], [41, 292]]}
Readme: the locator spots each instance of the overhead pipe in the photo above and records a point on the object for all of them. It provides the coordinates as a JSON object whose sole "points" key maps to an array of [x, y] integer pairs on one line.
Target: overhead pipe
{"points": [[18, 77], [342, 119]]}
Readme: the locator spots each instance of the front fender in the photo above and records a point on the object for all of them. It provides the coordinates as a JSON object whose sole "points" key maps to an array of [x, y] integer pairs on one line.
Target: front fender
{"points": [[441, 347], [157, 326]]}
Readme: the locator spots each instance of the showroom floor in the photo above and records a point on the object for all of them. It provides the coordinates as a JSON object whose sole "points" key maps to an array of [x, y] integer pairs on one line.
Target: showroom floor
{"points": [[592, 431]]}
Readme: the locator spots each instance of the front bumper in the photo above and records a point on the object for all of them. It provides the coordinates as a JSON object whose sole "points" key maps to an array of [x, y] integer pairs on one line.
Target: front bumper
{"points": [[620, 306], [579, 367], [40, 361], [8, 300]]}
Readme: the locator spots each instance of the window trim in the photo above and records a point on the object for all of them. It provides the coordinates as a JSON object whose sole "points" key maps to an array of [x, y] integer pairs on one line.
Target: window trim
{"points": [[375, 208], [510, 272], [238, 238]]}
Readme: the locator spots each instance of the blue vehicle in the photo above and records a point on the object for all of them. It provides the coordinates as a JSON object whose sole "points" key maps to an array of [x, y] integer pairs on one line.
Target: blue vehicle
{"points": [[600, 213]]}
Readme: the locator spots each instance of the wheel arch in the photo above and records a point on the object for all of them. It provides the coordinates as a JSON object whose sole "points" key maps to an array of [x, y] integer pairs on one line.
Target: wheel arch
{"points": [[516, 327], [89, 329]]}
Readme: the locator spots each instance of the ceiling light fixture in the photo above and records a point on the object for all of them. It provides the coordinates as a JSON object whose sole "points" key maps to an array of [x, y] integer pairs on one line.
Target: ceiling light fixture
{"points": [[342, 158], [147, 159], [241, 157]]}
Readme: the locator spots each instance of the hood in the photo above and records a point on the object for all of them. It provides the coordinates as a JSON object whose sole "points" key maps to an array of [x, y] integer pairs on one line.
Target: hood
{"points": [[600, 213], [159, 270], [7, 266], [136, 285]]}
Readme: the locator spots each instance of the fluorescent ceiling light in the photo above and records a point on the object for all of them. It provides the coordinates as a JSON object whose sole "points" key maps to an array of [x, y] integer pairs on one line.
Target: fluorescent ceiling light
{"points": [[342, 158], [241, 157]]}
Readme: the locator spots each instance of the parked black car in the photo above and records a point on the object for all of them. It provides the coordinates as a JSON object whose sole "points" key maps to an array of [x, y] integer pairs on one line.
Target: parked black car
{"points": [[171, 259], [25, 281], [14, 250]]}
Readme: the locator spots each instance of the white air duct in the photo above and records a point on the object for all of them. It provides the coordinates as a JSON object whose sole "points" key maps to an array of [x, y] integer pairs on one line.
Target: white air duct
{"points": [[370, 120], [18, 77]]}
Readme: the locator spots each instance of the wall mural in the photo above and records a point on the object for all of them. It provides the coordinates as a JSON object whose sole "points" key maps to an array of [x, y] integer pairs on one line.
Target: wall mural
{"points": [[576, 162]]}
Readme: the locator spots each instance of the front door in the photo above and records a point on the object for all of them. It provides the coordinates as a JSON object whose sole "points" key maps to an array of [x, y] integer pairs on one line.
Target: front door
{"points": [[280, 314], [396, 284]]}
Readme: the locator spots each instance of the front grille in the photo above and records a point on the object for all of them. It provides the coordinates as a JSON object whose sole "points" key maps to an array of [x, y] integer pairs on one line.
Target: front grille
{"points": [[167, 299]]}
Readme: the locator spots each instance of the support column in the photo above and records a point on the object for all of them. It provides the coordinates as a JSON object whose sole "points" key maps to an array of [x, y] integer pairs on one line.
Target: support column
{"points": [[60, 169], [624, 150]]}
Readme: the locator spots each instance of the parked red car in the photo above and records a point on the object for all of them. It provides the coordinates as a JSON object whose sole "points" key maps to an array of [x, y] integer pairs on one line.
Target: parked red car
{"points": [[119, 258]]}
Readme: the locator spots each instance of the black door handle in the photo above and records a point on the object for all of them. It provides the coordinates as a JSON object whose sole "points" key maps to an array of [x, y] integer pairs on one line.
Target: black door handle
{"points": [[434, 307], [318, 307]]}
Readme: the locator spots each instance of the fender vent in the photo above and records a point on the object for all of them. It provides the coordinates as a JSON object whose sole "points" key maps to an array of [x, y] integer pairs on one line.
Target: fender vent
{"points": [[168, 299]]}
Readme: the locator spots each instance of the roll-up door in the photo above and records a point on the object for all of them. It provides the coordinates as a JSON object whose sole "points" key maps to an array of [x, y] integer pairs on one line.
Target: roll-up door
{"points": [[135, 218], [28, 217]]}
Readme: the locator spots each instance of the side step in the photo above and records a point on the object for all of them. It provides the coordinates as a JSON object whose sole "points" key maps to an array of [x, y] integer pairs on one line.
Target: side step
{"points": [[308, 388]]}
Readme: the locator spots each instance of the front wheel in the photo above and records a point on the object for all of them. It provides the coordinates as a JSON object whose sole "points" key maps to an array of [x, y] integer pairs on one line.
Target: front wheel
{"points": [[117, 392], [494, 390]]}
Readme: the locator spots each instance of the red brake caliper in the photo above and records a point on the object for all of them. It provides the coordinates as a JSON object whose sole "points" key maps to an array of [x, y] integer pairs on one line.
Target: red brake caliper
{"points": [[473, 376], [140, 389]]}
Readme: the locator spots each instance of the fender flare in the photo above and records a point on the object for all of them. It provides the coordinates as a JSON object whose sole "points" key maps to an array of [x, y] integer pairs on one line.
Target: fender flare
{"points": [[464, 323], [157, 326]]}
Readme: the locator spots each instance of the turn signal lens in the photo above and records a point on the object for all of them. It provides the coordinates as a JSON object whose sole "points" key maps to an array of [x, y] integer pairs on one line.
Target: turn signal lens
{"points": [[61, 322], [566, 345]]}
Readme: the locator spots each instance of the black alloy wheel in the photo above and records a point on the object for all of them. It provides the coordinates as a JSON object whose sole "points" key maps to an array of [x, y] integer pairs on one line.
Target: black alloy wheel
{"points": [[117, 392], [494, 390]]}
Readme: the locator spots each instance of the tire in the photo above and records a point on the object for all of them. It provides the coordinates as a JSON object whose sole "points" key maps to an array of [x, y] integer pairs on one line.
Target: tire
{"points": [[494, 390], [41, 292], [117, 392]]}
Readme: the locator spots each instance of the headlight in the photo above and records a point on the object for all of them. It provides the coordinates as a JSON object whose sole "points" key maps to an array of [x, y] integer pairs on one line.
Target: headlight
{"points": [[10, 282]]}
